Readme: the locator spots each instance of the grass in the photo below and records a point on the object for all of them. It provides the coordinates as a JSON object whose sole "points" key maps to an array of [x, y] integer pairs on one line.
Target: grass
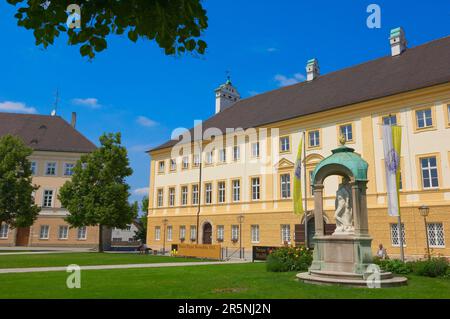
{"points": [[82, 259], [203, 281]]}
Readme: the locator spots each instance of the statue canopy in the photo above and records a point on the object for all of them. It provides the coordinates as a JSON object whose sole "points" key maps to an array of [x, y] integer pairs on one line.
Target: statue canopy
{"points": [[345, 162]]}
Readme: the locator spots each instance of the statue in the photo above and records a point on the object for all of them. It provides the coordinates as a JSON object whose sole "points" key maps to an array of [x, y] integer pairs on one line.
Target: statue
{"points": [[344, 213]]}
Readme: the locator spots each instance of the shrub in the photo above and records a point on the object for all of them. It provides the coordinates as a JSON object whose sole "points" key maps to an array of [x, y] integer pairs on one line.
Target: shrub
{"points": [[289, 259], [395, 266], [436, 267]]}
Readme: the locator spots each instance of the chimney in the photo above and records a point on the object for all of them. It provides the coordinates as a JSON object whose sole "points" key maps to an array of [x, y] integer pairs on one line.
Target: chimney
{"points": [[398, 41], [312, 69], [226, 96], [73, 121]]}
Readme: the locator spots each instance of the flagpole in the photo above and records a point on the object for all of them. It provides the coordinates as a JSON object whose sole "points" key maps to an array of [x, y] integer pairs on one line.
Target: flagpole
{"points": [[305, 191]]}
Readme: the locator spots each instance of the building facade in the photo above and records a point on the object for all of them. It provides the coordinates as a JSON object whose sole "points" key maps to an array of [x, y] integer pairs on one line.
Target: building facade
{"points": [[57, 146], [239, 191]]}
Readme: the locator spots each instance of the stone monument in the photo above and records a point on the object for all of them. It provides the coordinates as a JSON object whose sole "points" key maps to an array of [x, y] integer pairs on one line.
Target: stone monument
{"points": [[345, 257]]}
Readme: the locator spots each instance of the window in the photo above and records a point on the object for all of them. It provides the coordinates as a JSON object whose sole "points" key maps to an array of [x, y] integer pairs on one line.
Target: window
{"points": [[236, 190], [63, 232], [33, 166], [50, 168], [314, 138], [161, 166], [68, 169], [160, 197], [234, 232], [173, 165], [285, 233], [311, 183], [82, 232], [220, 232], [43, 233], [182, 232], [390, 120], [209, 157], [255, 149], [255, 188], [196, 160], [236, 153], [395, 235], [157, 233], [436, 235], [347, 131], [185, 162], [184, 195], [255, 233], [4, 229], [193, 232], [208, 193], [285, 180], [171, 196], [48, 198], [284, 144], [223, 155], [169, 233], [429, 172], [424, 118], [221, 191], [194, 194]]}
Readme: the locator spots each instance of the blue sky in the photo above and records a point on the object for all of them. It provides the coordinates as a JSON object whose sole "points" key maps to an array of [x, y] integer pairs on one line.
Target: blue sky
{"points": [[137, 90]]}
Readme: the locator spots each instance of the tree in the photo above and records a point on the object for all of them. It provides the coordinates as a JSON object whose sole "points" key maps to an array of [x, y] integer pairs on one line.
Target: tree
{"points": [[97, 194], [175, 25], [141, 233], [17, 207]]}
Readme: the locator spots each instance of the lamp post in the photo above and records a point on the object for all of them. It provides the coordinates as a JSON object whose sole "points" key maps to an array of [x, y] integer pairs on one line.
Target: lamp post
{"points": [[164, 235], [240, 220], [424, 211]]}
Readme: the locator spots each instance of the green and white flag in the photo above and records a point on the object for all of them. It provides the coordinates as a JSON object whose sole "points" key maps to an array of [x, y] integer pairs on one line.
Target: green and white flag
{"points": [[392, 147], [298, 201]]}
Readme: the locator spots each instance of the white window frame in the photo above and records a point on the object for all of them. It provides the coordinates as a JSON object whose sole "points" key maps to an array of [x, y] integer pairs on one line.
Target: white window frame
{"points": [[210, 157], [256, 188], [435, 234], [157, 233], [55, 168], [82, 233], [346, 130], [169, 233], [4, 231], [389, 122], [193, 232], [255, 233], [171, 196], [236, 190], [45, 198], [44, 232], [185, 162], [161, 166], [196, 160], [182, 232], [255, 149], [184, 195], [68, 170], [234, 232], [285, 145], [173, 164], [160, 197], [313, 138], [285, 185], [429, 168], [220, 232], [421, 115], [223, 155], [65, 233], [285, 233], [221, 191], [395, 236], [208, 193], [236, 153], [195, 194], [34, 167]]}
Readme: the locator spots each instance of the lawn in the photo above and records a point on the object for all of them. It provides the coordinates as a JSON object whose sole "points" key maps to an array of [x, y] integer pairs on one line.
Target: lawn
{"points": [[82, 259], [212, 281]]}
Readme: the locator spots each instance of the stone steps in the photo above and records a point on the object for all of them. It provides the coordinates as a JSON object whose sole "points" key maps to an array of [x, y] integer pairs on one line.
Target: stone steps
{"points": [[349, 279], [346, 275]]}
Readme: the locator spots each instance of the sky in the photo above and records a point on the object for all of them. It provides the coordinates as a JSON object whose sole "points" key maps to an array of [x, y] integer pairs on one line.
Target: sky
{"points": [[135, 89]]}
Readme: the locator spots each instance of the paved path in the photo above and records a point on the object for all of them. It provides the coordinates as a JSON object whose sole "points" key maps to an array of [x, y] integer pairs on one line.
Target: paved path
{"points": [[125, 266]]}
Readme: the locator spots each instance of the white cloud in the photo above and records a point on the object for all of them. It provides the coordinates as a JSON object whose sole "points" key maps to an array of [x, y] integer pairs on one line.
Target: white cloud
{"points": [[270, 50], [89, 102], [16, 107], [141, 191], [145, 121], [284, 80]]}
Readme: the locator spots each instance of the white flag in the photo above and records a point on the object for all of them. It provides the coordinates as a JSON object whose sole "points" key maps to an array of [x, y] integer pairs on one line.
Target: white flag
{"points": [[392, 164]]}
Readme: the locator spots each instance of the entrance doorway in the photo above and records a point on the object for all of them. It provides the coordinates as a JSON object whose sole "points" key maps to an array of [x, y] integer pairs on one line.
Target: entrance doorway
{"points": [[23, 236], [207, 233]]}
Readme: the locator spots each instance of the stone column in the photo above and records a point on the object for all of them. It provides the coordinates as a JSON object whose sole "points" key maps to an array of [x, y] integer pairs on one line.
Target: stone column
{"points": [[355, 208], [318, 209]]}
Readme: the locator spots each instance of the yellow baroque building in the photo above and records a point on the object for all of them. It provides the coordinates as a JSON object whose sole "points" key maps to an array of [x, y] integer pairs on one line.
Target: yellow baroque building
{"points": [[238, 193]]}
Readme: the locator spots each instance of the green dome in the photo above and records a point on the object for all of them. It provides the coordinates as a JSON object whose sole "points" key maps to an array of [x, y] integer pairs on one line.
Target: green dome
{"points": [[345, 156]]}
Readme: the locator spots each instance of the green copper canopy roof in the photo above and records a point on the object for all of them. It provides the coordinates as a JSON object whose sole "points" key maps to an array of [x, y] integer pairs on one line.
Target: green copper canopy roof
{"points": [[346, 157]]}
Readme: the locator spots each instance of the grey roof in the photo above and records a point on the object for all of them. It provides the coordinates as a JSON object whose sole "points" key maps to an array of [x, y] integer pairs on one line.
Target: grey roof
{"points": [[419, 67], [45, 133]]}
